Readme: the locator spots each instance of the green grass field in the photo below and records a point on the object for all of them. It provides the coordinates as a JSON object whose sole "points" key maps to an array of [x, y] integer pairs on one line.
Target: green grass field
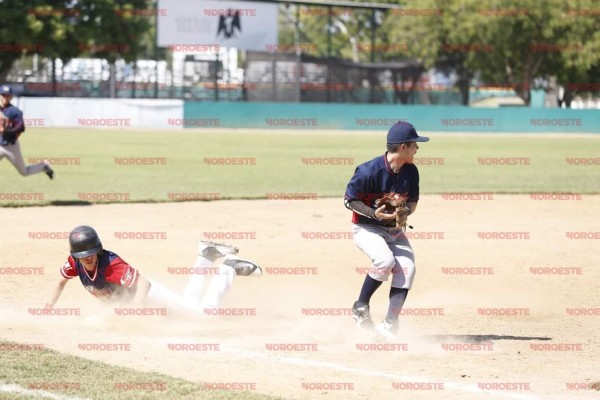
{"points": [[274, 164], [53, 372]]}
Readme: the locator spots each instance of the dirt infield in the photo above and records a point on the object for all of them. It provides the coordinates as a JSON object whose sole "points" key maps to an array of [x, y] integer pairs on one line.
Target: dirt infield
{"points": [[503, 304]]}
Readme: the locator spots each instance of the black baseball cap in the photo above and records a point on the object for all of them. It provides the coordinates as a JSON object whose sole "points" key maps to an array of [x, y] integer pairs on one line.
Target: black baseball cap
{"points": [[5, 89], [404, 132]]}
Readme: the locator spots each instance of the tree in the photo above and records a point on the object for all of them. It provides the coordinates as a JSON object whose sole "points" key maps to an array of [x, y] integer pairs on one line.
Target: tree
{"points": [[512, 43], [65, 29]]}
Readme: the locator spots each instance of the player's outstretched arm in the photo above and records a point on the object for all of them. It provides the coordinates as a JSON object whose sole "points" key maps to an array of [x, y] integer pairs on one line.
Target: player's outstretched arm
{"points": [[143, 286], [58, 289]]}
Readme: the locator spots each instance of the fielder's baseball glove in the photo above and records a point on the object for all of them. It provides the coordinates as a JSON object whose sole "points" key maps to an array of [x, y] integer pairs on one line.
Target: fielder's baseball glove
{"points": [[396, 204]]}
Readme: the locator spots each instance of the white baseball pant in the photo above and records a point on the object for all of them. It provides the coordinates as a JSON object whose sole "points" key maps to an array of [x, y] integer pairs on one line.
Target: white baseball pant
{"points": [[13, 153], [190, 302], [389, 251]]}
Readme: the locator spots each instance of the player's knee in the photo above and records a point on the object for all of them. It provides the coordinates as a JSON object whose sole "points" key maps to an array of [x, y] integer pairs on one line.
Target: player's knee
{"points": [[386, 261]]}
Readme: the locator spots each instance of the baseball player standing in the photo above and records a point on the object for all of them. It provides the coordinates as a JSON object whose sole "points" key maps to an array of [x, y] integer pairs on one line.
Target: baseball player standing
{"points": [[375, 232], [108, 277], [11, 127]]}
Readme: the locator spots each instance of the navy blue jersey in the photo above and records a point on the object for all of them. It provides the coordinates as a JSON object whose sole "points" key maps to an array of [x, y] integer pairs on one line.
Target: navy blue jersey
{"points": [[371, 180], [113, 279], [15, 119]]}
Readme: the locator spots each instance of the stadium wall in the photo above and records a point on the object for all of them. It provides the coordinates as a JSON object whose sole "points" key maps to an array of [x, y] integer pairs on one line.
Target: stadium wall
{"points": [[172, 113], [378, 117], [75, 112]]}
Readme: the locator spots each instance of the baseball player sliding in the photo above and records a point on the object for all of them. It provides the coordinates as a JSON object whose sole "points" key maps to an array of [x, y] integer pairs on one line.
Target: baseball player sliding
{"points": [[11, 127], [108, 277], [375, 230]]}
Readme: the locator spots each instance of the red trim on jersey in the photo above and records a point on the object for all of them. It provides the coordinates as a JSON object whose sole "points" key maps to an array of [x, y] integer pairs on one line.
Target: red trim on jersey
{"points": [[122, 273], [69, 270], [88, 274]]}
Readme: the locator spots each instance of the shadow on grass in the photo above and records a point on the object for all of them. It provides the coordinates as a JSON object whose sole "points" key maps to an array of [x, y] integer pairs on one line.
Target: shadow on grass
{"points": [[483, 338], [70, 203]]}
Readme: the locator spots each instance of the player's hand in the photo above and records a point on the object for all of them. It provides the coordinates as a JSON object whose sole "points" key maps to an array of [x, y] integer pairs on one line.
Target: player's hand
{"points": [[381, 214]]}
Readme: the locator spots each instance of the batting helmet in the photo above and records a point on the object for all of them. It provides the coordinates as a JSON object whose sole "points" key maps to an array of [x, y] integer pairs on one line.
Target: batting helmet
{"points": [[84, 242]]}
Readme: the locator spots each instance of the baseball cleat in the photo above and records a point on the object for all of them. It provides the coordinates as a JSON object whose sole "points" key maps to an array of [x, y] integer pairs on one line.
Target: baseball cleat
{"points": [[48, 170], [362, 316], [387, 329], [242, 267], [212, 250]]}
